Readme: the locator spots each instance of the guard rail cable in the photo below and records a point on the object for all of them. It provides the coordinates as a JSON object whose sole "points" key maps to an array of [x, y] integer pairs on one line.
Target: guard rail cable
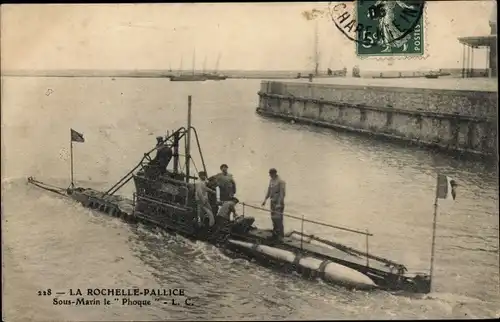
{"points": [[401, 268]]}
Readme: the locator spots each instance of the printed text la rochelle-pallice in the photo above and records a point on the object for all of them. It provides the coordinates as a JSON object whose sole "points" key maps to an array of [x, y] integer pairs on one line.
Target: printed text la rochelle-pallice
{"points": [[123, 296]]}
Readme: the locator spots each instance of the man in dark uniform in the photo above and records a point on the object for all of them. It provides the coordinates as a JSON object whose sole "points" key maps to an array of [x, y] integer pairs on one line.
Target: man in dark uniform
{"points": [[226, 184], [163, 155]]}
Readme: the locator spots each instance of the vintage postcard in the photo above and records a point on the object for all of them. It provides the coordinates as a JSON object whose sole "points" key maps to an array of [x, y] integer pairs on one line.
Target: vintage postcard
{"points": [[250, 161]]}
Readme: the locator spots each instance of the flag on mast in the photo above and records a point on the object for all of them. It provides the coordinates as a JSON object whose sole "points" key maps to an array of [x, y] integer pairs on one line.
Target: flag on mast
{"points": [[76, 136], [446, 187]]}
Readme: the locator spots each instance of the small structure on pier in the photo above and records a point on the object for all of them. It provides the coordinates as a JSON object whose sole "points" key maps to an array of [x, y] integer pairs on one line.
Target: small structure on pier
{"points": [[489, 42], [355, 71]]}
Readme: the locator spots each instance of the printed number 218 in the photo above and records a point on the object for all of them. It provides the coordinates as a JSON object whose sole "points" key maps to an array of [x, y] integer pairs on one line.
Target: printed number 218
{"points": [[45, 292]]}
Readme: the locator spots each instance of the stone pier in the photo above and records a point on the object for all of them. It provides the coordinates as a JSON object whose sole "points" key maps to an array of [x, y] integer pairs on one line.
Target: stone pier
{"points": [[462, 121]]}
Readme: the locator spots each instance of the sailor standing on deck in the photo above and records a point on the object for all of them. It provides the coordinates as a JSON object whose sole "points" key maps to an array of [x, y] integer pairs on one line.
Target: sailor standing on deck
{"points": [[213, 198], [163, 155], [276, 192], [226, 184], [201, 195]]}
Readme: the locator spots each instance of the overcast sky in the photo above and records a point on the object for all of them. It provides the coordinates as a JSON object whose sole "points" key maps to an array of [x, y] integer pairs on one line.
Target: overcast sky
{"points": [[250, 36]]}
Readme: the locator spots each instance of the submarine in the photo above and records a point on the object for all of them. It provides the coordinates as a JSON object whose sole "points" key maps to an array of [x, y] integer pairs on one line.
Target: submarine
{"points": [[165, 198]]}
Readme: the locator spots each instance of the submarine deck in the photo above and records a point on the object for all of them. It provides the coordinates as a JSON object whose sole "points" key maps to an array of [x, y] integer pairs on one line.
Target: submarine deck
{"points": [[342, 256], [334, 254]]}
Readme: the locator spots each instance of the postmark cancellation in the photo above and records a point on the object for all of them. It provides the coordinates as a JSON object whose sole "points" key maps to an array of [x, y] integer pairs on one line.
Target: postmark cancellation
{"points": [[382, 29]]}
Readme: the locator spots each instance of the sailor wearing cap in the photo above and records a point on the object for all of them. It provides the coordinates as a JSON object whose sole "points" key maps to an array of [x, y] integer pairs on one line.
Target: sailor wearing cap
{"points": [[226, 184], [163, 155], [276, 192], [228, 208]]}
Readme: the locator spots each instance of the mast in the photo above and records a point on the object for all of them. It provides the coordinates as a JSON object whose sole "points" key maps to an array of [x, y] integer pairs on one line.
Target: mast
{"points": [[176, 152], [194, 59], [316, 48], [188, 140], [217, 63]]}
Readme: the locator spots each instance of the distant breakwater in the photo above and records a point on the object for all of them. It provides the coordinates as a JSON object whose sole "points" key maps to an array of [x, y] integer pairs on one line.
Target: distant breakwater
{"points": [[235, 74], [456, 121]]}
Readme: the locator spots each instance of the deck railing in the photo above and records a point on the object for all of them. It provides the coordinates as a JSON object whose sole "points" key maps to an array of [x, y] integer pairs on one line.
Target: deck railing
{"points": [[366, 233]]}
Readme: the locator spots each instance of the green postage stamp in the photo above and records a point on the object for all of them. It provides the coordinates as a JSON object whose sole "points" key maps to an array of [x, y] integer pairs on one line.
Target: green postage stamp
{"points": [[382, 27]]}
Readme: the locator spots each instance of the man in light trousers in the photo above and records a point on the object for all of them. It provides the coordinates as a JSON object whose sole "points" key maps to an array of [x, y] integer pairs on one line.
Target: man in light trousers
{"points": [[276, 192], [201, 195]]}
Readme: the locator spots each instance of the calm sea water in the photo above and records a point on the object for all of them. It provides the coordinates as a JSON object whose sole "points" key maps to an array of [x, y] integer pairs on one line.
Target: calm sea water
{"points": [[49, 242]]}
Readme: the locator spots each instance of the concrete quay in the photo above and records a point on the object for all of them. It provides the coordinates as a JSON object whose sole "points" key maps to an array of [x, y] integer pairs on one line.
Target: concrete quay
{"points": [[449, 114]]}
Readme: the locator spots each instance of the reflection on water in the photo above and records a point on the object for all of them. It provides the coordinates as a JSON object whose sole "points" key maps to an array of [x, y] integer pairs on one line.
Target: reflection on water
{"points": [[334, 177]]}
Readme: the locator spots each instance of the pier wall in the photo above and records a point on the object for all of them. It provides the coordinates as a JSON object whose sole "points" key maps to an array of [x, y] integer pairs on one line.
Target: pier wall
{"points": [[448, 119]]}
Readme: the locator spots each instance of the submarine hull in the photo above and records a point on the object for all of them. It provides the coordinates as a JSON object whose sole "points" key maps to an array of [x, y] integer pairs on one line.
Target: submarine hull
{"points": [[329, 271]]}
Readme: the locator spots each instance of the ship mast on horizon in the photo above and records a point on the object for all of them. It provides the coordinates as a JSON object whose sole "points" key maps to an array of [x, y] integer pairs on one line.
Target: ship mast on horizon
{"points": [[316, 48], [194, 59], [314, 14], [217, 63]]}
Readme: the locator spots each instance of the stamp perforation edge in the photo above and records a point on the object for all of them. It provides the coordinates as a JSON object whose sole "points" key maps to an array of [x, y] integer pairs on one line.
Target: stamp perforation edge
{"points": [[389, 57]]}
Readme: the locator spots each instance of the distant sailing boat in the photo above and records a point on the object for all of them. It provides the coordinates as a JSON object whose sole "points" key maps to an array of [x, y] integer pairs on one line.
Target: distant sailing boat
{"points": [[316, 49], [189, 77], [316, 57], [215, 75]]}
